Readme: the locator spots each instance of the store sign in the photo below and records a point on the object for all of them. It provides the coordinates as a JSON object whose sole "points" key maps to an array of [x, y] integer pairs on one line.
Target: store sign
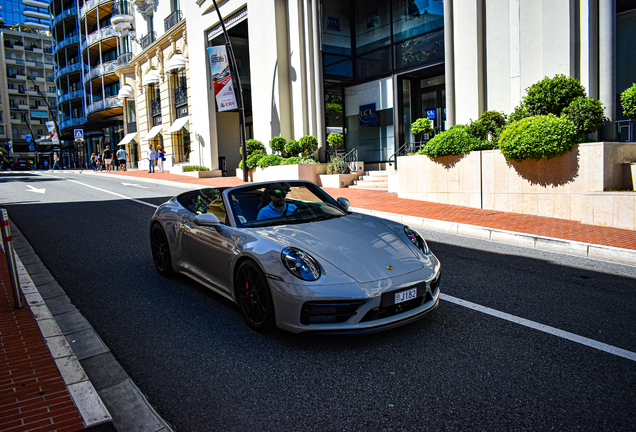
{"points": [[367, 114], [333, 24], [430, 113], [222, 78], [182, 111]]}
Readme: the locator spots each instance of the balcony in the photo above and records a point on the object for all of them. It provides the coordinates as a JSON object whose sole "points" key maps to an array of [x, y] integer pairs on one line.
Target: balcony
{"points": [[109, 102], [73, 121], [100, 70], [172, 20], [68, 69], [98, 35], [148, 39], [71, 95], [124, 58], [67, 41]]}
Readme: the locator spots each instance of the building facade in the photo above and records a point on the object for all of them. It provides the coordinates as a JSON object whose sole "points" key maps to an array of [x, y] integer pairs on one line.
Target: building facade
{"points": [[32, 13], [27, 93]]}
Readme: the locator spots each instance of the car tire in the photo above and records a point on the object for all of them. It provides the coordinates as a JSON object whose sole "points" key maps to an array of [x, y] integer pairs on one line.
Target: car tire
{"points": [[254, 297], [161, 250]]}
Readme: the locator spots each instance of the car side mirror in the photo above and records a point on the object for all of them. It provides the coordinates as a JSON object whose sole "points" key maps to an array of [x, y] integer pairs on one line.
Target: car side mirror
{"points": [[345, 203], [209, 220]]}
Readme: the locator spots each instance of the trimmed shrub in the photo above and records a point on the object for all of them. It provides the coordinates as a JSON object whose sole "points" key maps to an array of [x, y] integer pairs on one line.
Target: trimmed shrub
{"points": [[586, 113], [252, 160], [335, 139], [493, 121], [277, 144], [477, 129], [299, 160], [252, 146], [454, 141], [422, 125], [628, 102], [519, 113], [552, 95], [270, 160], [538, 137], [193, 168], [292, 148], [308, 144]]}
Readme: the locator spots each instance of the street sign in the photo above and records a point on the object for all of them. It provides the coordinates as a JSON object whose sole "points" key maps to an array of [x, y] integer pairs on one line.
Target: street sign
{"points": [[79, 134]]}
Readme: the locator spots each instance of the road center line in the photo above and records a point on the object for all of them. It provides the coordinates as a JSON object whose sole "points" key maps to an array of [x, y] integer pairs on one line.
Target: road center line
{"points": [[114, 193], [544, 328]]}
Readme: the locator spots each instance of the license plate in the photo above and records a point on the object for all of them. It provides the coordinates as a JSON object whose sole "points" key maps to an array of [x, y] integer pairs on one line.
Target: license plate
{"points": [[405, 295]]}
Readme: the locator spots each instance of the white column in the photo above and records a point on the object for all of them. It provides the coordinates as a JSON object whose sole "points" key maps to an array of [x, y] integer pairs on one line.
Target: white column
{"points": [[449, 63], [607, 64]]}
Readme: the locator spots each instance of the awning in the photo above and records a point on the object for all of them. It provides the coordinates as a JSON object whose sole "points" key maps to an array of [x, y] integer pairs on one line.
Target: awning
{"points": [[152, 77], [153, 132], [126, 92], [128, 138], [178, 124], [177, 61]]}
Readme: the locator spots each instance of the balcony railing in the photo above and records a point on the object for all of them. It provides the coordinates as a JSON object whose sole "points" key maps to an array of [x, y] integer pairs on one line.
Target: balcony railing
{"points": [[155, 105], [124, 58], [98, 70], [109, 102], [180, 96], [148, 39], [172, 20], [121, 8]]}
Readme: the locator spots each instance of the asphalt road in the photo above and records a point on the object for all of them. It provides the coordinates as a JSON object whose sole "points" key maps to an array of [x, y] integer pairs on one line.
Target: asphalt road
{"points": [[459, 369]]}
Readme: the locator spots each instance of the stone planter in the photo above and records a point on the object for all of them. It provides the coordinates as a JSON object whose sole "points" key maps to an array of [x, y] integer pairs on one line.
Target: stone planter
{"points": [[551, 188], [310, 172], [337, 180]]}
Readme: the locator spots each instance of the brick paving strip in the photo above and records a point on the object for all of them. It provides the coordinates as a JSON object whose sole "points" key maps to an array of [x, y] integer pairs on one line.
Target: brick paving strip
{"points": [[33, 395]]}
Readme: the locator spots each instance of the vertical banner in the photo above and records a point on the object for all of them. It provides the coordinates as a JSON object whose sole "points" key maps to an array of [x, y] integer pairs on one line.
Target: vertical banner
{"points": [[223, 87], [50, 125], [29, 140]]}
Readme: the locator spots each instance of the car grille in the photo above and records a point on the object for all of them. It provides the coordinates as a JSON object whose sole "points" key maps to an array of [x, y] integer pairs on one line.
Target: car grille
{"points": [[328, 312], [387, 310]]}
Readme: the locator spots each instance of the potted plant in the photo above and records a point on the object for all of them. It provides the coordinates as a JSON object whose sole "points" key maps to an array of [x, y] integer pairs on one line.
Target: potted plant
{"points": [[422, 126]]}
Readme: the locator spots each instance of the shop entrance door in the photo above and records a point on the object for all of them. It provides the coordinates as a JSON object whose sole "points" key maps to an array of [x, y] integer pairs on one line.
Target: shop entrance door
{"points": [[432, 105]]}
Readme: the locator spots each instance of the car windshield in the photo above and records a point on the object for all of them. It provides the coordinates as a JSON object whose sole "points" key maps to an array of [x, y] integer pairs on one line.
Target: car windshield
{"points": [[281, 203]]}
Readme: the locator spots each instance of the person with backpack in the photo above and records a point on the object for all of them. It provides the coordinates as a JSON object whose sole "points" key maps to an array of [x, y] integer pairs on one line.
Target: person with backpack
{"points": [[108, 157], [122, 156]]}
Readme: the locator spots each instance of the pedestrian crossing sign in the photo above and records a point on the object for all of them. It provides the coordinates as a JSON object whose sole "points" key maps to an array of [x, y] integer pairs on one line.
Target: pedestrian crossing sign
{"points": [[79, 134]]}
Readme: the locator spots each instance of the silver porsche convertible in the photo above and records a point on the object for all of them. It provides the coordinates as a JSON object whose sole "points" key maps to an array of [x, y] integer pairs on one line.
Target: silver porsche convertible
{"points": [[291, 256]]}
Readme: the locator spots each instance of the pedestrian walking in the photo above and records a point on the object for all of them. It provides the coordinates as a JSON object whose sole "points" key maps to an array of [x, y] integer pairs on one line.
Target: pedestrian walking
{"points": [[56, 162], [108, 158], [160, 158], [100, 163], [152, 155], [122, 157], [93, 162]]}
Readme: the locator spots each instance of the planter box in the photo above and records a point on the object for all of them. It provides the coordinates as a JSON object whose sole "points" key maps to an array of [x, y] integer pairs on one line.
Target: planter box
{"points": [[551, 188], [308, 172], [178, 169], [337, 180]]}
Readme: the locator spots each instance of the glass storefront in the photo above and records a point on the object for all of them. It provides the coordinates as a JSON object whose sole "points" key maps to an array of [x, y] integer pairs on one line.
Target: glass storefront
{"points": [[381, 65]]}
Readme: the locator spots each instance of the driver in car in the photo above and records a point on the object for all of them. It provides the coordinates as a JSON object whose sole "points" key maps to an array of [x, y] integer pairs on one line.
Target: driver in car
{"points": [[277, 207]]}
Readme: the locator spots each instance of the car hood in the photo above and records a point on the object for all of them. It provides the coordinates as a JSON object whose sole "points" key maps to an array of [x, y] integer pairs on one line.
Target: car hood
{"points": [[360, 246]]}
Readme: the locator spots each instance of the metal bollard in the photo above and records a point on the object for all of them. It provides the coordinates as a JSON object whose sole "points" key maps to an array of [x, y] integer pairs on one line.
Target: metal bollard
{"points": [[9, 254]]}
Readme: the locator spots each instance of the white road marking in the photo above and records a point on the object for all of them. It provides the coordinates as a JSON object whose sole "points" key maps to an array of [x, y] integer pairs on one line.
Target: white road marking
{"points": [[544, 328], [136, 185], [33, 189], [116, 194]]}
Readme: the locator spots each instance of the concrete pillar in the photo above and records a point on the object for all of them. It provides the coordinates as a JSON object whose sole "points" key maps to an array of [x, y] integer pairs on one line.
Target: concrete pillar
{"points": [[449, 63], [607, 62]]}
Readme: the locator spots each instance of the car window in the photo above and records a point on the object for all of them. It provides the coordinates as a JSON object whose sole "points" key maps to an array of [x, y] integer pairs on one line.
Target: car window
{"points": [[302, 204], [209, 200]]}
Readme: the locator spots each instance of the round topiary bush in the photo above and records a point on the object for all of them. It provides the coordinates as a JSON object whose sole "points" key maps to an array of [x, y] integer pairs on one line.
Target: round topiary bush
{"points": [[628, 102], [519, 113], [538, 137], [493, 121], [277, 144], [335, 139], [252, 160], [308, 144], [252, 146], [454, 141], [270, 160], [292, 148], [552, 95], [422, 125], [586, 113]]}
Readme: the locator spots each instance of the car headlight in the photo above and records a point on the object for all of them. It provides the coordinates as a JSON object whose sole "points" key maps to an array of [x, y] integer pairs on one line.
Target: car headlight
{"points": [[300, 264], [417, 240]]}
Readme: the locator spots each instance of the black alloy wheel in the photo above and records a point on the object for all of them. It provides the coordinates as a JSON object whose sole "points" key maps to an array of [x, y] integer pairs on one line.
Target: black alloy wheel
{"points": [[254, 297], [160, 250]]}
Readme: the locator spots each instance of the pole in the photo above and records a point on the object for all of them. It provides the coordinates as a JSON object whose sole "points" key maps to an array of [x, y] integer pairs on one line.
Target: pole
{"points": [[236, 79], [9, 255]]}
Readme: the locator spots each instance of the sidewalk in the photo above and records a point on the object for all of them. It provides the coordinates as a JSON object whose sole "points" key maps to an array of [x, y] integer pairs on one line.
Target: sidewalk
{"points": [[34, 395]]}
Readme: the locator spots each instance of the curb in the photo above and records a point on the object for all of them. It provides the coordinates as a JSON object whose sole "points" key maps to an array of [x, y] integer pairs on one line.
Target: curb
{"points": [[550, 244], [104, 394]]}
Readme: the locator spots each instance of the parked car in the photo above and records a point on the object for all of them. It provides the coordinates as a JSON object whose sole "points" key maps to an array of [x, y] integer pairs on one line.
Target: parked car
{"points": [[21, 165], [312, 265]]}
